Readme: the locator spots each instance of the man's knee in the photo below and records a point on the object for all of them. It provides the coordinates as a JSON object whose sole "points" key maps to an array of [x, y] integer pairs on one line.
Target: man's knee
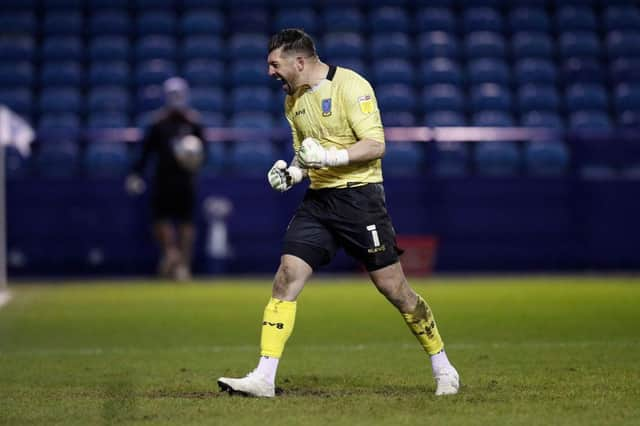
{"points": [[290, 278]]}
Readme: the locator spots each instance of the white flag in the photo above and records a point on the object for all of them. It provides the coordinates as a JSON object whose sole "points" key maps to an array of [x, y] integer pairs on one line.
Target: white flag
{"points": [[14, 130]]}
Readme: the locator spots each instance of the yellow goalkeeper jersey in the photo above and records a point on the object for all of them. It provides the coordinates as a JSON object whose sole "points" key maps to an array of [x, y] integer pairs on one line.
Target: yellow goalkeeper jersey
{"points": [[338, 112]]}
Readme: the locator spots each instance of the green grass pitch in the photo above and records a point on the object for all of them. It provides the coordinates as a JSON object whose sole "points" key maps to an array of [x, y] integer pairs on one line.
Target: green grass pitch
{"points": [[537, 350]]}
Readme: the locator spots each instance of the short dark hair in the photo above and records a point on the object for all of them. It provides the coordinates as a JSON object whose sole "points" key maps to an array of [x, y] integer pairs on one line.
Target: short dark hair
{"points": [[293, 39]]}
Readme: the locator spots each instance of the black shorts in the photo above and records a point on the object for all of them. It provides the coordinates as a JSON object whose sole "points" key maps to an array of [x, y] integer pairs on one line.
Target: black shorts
{"points": [[173, 203], [355, 219]]}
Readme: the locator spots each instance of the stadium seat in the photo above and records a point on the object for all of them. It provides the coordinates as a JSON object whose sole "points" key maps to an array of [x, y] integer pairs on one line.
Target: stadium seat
{"points": [[380, 3], [253, 98], [436, 19], [622, 44], [452, 159], [482, 19], [251, 158], [249, 72], [60, 100], [483, 3], [343, 45], [586, 97], [355, 64], [102, 5], [396, 97], [69, 22], [111, 73], [249, 19], [212, 119], [14, 74], [487, 70], [389, 71], [61, 74], [150, 98], [438, 44], [443, 97], [546, 158], [345, 19], [202, 47], [529, 19], [19, 100], [575, 18], [19, 22], [444, 119], [208, 99], [526, 44], [106, 160], [389, 20], [536, 97], [107, 120], [109, 48], [629, 119], [441, 70], [57, 160], [583, 70], [621, 18], [489, 118], [62, 48], [154, 72], [202, 73], [625, 70], [67, 121], [202, 4], [215, 161], [155, 4], [108, 99], [243, 45], [403, 158], [489, 96], [398, 118], [206, 22], [305, 18], [497, 158], [579, 44], [17, 48], [485, 44], [597, 120], [252, 120], [627, 97], [155, 47], [535, 70], [110, 22], [392, 45], [542, 119], [156, 22]]}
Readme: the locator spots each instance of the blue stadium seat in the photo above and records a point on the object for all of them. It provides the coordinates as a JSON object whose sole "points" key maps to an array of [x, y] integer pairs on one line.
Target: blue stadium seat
{"points": [[212, 119], [109, 48], [583, 70], [580, 44], [64, 4], [252, 19], [403, 159], [202, 4], [202, 73], [156, 22], [107, 120], [155, 47], [17, 48], [441, 70], [629, 119], [248, 72], [17, 5], [57, 160], [215, 161], [155, 4], [586, 97], [444, 119], [346, 19], [625, 70], [63, 23], [392, 45], [436, 19], [251, 158], [68, 121], [60, 100], [305, 18], [389, 71], [110, 22], [621, 18], [253, 98], [483, 3], [14, 74], [389, 20], [154, 72], [489, 96], [526, 44], [343, 45], [208, 99], [622, 44], [202, 22], [398, 119], [536, 97], [535, 70], [542, 119], [19, 100], [489, 118], [61, 74], [627, 97], [395, 97], [438, 44], [150, 98], [443, 97], [379, 3], [530, 3], [62, 48], [597, 120], [252, 120], [109, 73], [202, 47], [488, 70], [19, 22], [243, 45], [497, 158], [546, 158], [108, 99], [575, 18], [484, 44], [101, 5], [529, 19], [452, 159], [482, 19], [355, 64], [106, 160]]}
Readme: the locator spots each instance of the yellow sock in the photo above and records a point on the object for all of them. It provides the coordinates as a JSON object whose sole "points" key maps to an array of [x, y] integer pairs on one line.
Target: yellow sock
{"points": [[277, 325], [423, 326]]}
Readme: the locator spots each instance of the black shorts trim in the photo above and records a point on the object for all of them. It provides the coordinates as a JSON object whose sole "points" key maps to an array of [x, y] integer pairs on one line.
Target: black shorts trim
{"points": [[314, 256]]}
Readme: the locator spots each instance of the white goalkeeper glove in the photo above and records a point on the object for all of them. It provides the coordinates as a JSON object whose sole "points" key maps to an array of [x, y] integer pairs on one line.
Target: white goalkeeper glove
{"points": [[313, 156], [282, 178]]}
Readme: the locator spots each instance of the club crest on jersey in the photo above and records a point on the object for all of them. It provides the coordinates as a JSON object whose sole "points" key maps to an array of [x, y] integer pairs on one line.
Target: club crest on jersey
{"points": [[326, 107], [366, 104]]}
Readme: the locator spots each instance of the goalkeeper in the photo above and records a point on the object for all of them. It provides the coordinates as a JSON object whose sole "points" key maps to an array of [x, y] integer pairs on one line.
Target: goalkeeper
{"points": [[339, 141]]}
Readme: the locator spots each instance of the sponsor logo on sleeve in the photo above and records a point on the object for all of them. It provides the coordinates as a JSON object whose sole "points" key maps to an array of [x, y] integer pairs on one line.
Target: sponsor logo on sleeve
{"points": [[366, 104]]}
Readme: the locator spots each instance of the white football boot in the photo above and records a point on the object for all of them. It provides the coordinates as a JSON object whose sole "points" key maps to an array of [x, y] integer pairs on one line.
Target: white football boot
{"points": [[447, 381], [253, 384]]}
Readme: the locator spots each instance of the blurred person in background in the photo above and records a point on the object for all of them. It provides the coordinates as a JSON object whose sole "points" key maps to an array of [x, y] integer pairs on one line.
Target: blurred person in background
{"points": [[174, 138]]}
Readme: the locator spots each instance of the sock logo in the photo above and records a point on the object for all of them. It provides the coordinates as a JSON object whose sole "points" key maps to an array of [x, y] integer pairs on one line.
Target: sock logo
{"points": [[277, 325]]}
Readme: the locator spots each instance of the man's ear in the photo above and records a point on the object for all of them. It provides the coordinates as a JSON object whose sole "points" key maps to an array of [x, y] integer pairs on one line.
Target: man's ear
{"points": [[300, 63]]}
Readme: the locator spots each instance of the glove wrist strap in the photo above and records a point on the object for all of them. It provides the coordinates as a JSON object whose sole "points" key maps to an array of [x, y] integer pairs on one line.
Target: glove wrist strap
{"points": [[339, 157]]}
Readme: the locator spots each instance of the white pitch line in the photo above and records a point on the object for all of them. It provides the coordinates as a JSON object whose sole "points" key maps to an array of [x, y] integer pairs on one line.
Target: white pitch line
{"points": [[5, 296]]}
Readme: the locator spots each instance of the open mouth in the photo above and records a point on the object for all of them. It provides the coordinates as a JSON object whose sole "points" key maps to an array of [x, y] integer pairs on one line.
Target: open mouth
{"points": [[285, 86]]}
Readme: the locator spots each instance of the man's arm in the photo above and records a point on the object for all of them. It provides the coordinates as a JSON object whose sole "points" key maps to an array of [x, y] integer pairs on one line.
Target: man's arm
{"points": [[365, 150]]}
